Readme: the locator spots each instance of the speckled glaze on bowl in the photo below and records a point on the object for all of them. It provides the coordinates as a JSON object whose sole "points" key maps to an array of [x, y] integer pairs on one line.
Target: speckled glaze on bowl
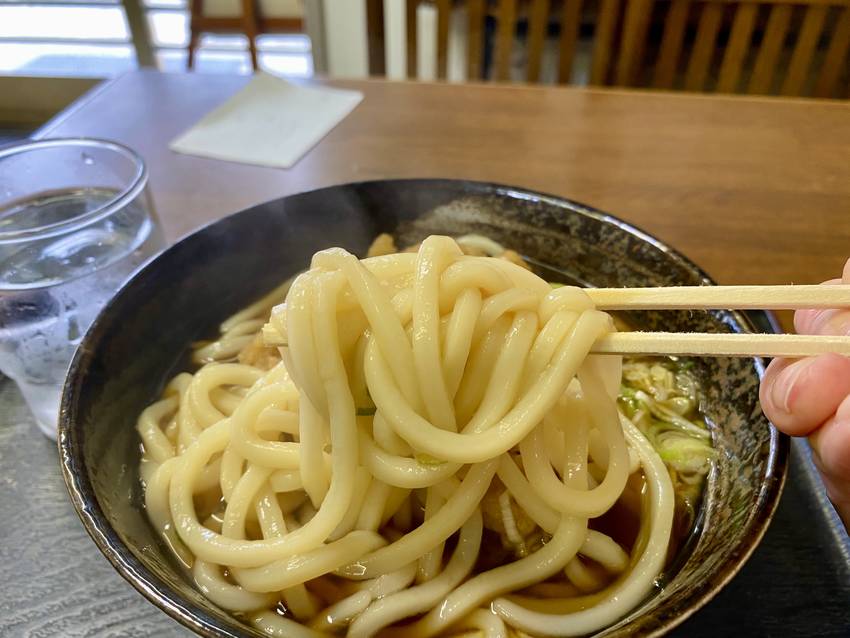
{"points": [[141, 337]]}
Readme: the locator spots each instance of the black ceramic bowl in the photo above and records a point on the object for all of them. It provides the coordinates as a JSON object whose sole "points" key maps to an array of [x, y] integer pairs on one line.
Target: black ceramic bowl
{"points": [[141, 337]]}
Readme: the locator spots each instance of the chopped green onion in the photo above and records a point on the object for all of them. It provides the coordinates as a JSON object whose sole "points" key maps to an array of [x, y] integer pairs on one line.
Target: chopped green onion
{"points": [[661, 398]]}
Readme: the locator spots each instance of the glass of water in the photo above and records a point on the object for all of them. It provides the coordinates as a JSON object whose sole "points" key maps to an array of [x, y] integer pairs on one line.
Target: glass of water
{"points": [[76, 220]]}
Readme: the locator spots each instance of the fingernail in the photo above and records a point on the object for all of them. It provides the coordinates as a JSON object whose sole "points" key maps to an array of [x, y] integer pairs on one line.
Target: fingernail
{"points": [[785, 382]]}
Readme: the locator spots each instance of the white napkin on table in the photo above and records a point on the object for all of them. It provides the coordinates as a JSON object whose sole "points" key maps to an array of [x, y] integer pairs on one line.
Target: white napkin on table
{"points": [[270, 122]]}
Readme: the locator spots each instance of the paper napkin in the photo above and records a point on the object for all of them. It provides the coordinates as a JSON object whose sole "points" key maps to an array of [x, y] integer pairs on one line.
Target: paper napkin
{"points": [[271, 122]]}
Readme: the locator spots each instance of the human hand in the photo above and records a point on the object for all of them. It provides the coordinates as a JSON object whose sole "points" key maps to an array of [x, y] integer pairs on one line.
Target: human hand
{"points": [[811, 397]]}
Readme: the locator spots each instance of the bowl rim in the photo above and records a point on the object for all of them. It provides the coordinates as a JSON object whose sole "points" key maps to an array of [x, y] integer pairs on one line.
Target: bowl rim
{"points": [[98, 527]]}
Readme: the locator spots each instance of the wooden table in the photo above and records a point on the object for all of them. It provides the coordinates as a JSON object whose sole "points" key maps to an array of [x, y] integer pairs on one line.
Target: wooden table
{"points": [[754, 190]]}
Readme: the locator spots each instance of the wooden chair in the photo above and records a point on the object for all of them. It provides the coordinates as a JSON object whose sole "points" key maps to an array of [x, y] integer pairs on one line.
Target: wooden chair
{"points": [[506, 13], [792, 47], [240, 16]]}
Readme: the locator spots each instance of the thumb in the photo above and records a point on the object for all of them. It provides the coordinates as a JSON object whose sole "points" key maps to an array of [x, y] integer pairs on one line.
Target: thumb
{"points": [[799, 395], [831, 453]]}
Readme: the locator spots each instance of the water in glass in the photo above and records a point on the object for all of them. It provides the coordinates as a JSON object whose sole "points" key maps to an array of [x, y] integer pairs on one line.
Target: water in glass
{"points": [[53, 285]]}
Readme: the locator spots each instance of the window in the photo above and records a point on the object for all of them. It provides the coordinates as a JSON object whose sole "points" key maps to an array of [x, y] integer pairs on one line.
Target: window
{"points": [[90, 38]]}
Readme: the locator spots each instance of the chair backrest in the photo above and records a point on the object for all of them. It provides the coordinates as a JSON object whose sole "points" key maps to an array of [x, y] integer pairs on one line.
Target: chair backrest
{"points": [[791, 47], [788, 47], [505, 14]]}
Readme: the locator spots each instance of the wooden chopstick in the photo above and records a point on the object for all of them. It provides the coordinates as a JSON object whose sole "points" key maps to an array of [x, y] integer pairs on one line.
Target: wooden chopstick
{"points": [[708, 297], [719, 345], [696, 344], [725, 297]]}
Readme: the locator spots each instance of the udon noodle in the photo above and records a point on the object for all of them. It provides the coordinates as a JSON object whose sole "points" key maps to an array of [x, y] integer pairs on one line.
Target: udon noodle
{"points": [[426, 452]]}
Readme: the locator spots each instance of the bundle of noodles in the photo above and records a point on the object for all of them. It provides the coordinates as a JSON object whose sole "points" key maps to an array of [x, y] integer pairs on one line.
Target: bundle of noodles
{"points": [[426, 404]]}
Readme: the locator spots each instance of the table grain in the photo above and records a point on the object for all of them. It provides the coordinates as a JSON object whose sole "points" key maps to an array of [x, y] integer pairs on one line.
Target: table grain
{"points": [[754, 190]]}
